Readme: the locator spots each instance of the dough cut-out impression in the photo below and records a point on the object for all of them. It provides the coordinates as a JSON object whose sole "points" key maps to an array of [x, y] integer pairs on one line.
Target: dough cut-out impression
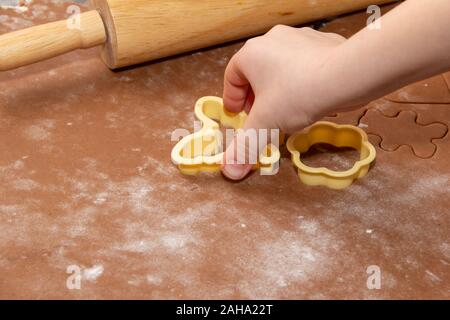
{"points": [[404, 130]]}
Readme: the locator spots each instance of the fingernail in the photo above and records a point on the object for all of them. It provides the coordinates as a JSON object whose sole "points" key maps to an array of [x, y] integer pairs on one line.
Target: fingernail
{"points": [[235, 171]]}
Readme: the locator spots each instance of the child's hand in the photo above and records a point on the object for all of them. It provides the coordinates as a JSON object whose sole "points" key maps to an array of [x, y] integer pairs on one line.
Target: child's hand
{"points": [[281, 80], [290, 77]]}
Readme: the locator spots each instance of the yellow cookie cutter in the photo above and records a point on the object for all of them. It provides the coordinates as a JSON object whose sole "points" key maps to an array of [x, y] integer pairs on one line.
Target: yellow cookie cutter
{"points": [[200, 151], [338, 136]]}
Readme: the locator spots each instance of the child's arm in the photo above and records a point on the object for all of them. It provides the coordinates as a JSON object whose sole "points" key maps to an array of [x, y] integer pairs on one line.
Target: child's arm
{"points": [[290, 78]]}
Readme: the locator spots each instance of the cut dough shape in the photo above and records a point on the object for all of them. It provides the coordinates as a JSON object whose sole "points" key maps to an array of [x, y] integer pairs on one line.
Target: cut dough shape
{"points": [[351, 117], [403, 129]]}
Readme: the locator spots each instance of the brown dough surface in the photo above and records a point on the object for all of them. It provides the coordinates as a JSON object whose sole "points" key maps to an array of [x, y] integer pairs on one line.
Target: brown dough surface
{"points": [[447, 79], [86, 179], [433, 90]]}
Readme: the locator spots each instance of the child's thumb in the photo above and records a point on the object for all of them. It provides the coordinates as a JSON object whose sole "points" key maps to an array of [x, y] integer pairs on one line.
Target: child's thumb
{"points": [[243, 152]]}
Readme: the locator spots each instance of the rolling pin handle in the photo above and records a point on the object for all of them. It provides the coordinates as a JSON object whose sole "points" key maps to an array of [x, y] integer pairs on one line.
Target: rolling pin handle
{"points": [[49, 40]]}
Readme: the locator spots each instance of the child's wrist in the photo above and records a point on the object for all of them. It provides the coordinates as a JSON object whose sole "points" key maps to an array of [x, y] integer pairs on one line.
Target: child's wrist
{"points": [[339, 87], [351, 82]]}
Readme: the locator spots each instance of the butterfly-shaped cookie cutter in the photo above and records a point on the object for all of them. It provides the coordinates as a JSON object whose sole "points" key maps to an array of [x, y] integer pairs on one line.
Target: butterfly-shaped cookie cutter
{"points": [[202, 150]]}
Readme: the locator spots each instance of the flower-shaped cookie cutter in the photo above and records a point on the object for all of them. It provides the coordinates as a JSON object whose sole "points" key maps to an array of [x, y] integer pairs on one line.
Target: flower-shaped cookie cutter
{"points": [[338, 136], [201, 151]]}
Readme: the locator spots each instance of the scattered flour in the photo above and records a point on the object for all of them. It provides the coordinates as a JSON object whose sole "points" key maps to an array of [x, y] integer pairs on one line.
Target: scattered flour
{"points": [[25, 184], [154, 280], [40, 131], [92, 274], [430, 275], [278, 263], [174, 241]]}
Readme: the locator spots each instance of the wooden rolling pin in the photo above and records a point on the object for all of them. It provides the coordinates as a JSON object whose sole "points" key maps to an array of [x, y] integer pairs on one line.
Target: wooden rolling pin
{"points": [[141, 30]]}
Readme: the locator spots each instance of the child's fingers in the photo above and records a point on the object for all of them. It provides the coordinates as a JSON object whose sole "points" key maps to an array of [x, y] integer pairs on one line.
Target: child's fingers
{"points": [[236, 86], [243, 152], [249, 101], [231, 168]]}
